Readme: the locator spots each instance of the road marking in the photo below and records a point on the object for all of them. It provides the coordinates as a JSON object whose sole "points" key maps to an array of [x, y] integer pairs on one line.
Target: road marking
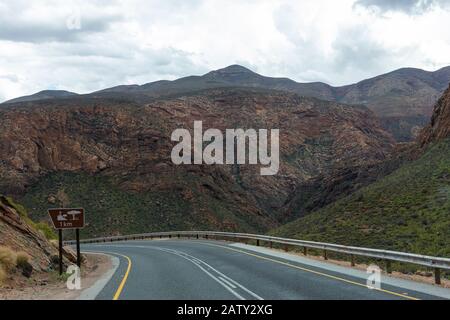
{"points": [[171, 251], [309, 270], [220, 279], [124, 280], [198, 263], [92, 292], [228, 282], [125, 277]]}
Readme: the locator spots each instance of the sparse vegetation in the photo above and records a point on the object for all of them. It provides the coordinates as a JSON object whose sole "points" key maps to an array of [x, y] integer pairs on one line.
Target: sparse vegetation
{"points": [[407, 210], [23, 263], [42, 227], [115, 211], [46, 230], [7, 258], [2, 275], [22, 259]]}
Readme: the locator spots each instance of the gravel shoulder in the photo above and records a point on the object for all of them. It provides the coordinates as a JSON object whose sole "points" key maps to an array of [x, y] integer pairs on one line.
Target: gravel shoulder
{"points": [[49, 286]]}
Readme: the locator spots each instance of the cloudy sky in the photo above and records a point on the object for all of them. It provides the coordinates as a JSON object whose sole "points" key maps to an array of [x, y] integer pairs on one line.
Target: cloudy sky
{"points": [[84, 46]]}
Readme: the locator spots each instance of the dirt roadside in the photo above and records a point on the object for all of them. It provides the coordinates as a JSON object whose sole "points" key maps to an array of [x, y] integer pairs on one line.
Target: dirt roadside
{"points": [[49, 286]]}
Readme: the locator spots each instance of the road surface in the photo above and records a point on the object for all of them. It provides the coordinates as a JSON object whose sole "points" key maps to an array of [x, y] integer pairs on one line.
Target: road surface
{"points": [[211, 270]]}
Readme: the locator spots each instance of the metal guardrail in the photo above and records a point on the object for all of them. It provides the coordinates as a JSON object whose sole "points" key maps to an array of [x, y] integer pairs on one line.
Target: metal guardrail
{"points": [[437, 263]]}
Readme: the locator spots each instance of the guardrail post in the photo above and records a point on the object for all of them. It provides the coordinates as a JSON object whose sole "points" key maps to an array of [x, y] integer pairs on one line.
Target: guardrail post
{"points": [[305, 251], [325, 254], [197, 236], [271, 244], [286, 248], [206, 236], [257, 242], [437, 275], [388, 266], [178, 236], [352, 259]]}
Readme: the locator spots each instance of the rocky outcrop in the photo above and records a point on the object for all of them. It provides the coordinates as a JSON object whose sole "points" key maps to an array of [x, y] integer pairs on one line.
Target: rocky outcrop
{"points": [[439, 128], [130, 143], [18, 235]]}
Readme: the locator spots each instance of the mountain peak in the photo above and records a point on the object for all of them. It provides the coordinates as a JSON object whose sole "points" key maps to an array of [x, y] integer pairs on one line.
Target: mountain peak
{"points": [[234, 68], [234, 74]]}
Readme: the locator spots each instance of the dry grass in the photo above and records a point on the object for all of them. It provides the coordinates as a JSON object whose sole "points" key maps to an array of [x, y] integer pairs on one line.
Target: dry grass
{"points": [[7, 258], [2, 275], [22, 259]]}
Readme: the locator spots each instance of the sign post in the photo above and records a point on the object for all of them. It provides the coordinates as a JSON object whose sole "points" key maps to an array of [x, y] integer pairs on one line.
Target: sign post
{"points": [[67, 219], [60, 238]]}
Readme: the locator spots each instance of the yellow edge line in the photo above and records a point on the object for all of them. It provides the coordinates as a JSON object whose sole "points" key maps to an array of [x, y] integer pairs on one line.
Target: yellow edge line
{"points": [[124, 280], [125, 277], [312, 271]]}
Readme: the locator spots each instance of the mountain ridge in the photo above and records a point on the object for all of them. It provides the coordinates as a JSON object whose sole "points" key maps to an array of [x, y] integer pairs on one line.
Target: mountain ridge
{"points": [[403, 99], [42, 95]]}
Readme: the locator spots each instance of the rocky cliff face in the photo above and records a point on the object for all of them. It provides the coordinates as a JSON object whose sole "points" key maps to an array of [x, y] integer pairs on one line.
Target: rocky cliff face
{"points": [[18, 235], [129, 143], [439, 128]]}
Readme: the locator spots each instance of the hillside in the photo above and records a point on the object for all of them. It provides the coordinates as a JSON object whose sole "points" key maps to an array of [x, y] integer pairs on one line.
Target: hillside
{"points": [[24, 248], [43, 95], [407, 210], [113, 157], [403, 99]]}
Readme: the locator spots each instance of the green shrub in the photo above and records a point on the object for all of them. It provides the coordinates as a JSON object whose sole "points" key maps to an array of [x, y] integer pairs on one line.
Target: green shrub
{"points": [[46, 230]]}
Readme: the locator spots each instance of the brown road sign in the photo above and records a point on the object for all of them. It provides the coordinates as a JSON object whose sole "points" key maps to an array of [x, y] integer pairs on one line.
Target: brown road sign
{"points": [[67, 218]]}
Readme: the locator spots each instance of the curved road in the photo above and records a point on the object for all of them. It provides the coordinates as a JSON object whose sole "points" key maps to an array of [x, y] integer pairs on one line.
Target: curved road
{"points": [[211, 270]]}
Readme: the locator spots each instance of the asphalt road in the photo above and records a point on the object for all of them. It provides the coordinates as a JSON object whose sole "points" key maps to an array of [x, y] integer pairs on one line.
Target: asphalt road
{"points": [[202, 270]]}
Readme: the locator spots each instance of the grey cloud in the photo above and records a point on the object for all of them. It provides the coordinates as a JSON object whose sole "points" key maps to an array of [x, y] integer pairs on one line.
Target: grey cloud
{"points": [[354, 48], [10, 77], [94, 72], [407, 6], [18, 27]]}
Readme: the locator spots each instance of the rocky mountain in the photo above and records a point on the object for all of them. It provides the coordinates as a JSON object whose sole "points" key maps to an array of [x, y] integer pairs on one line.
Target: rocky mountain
{"points": [[112, 156], [402, 205], [439, 127], [402, 99], [43, 95]]}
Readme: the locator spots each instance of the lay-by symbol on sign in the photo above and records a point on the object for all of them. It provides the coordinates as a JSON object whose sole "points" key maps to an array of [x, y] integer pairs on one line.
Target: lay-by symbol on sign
{"points": [[67, 218]]}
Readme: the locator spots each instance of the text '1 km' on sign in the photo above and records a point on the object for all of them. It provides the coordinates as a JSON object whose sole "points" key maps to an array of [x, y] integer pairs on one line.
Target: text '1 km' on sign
{"points": [[67, 218]]}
